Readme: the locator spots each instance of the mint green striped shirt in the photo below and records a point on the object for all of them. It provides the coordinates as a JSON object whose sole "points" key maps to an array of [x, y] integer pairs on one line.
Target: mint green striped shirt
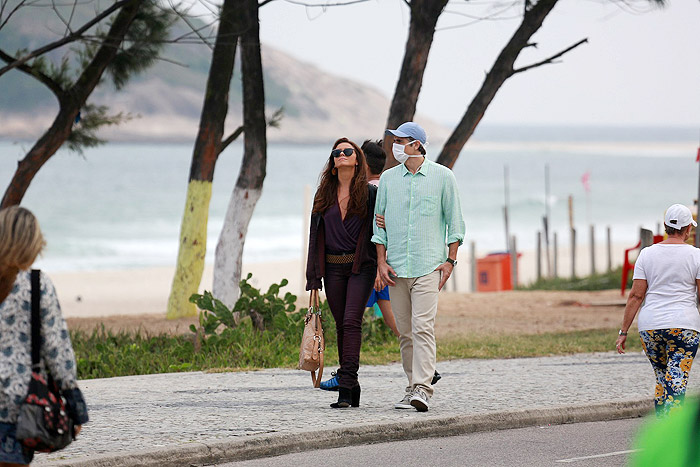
{"points": [[422, 214]]}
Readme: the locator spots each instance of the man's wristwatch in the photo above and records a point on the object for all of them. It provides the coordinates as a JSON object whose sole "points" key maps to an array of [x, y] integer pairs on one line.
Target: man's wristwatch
{"points": [[620, 333], [452, 262]]}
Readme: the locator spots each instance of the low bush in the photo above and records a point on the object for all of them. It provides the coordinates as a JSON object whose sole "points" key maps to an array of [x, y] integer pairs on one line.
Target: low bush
{"points": [[263, 330]]}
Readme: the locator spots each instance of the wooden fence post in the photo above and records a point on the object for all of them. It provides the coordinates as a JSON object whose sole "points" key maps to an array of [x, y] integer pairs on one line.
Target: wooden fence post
{"points": [[573, 253], [592, 249], [609, 250], [555, 250], [539, 255]]}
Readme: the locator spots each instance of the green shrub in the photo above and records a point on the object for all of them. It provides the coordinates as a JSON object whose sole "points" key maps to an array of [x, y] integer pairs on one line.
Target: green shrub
{"points": [[268, 311]]}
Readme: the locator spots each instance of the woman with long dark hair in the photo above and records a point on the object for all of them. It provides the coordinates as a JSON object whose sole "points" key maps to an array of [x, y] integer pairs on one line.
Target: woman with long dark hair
{"points": [[341, 253]]}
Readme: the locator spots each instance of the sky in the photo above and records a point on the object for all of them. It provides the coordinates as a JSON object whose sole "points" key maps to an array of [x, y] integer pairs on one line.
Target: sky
{"points": [[640, 67]]}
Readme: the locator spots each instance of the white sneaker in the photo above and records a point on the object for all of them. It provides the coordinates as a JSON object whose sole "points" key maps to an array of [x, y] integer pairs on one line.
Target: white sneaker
{"points": [[405, 403], [419, 400]]}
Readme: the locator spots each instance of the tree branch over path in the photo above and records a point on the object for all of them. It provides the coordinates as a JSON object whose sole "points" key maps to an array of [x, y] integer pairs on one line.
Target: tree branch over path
{"points": [[502, 69], [3, 4], [184, 17], [550, 59], [38, 75], [77, 35], [319, 5]]}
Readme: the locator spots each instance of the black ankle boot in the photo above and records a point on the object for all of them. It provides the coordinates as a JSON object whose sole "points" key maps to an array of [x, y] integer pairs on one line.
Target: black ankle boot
{"points": [[355, 393], [344, 398]]}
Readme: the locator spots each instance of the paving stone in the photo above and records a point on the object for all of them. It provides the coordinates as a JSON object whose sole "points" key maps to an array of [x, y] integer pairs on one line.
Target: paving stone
{"points": [[142, 412]]}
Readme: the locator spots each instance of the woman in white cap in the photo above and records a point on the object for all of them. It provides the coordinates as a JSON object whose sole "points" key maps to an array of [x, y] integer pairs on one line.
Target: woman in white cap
{"points": [[667, 280]]}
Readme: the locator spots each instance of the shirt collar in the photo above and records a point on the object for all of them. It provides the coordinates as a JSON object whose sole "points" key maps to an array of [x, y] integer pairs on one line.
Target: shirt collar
{"points": [[422, 170]]}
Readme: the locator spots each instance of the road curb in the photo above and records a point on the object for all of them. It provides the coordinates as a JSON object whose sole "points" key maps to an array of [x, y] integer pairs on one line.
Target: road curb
{"points": [[197, 454]]}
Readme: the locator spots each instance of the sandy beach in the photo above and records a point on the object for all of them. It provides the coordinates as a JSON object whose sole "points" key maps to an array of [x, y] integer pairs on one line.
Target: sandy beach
{"points": [[137, 299], [145, 291]]}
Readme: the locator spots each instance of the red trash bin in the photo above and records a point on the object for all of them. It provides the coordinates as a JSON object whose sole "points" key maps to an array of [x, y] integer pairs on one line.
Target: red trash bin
{"points": [[493, 273]]}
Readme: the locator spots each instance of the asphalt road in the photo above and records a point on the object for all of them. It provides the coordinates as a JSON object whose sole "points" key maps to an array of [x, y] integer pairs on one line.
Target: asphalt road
{"points": [[583, 444]]}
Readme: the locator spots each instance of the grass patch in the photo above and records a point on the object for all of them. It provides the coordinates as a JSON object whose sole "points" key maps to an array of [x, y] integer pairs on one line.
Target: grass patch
{"points": [[533, 345], [103, 354], [269, 331], [602, 281]]}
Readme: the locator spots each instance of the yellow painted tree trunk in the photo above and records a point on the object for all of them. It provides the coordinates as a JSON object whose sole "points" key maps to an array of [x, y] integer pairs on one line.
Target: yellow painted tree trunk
{"points": [[193, 249], [193, 233]]}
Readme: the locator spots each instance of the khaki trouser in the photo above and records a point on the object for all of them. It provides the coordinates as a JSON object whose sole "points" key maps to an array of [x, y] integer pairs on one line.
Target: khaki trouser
{"points": [[414, 302]]}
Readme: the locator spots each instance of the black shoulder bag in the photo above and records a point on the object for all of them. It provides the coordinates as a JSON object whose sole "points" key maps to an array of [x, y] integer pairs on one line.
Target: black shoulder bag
{"points": [[43, 424]]}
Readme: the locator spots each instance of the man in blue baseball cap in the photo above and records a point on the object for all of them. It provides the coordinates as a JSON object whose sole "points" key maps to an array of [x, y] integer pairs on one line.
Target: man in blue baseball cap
{"points": [[420, 203], [410, 137]]}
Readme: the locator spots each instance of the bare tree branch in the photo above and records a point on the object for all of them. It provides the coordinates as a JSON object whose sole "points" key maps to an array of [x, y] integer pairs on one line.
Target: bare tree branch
{"points": [[187, 36], [184, 17], [41, 77], [70, 19], [323, 5], [550, 59], [231, 138], [495, 16], [66, 40], [272, 122], [9, 15], [213, 7], [58, 14]]}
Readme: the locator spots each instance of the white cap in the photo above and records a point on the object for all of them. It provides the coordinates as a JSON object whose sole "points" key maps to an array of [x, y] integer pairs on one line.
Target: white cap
{"points": [[678, 216]]}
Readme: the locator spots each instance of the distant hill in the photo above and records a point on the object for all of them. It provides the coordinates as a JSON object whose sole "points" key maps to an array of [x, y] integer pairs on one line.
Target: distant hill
{"points": [[167, 98]]}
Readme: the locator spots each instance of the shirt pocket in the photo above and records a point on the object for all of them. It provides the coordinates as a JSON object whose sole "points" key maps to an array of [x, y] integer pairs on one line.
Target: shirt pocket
{"points": [[429, 205]]}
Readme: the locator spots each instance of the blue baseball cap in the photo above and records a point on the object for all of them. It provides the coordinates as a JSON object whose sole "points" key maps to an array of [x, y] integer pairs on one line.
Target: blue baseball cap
{"points": [[410, 130]]}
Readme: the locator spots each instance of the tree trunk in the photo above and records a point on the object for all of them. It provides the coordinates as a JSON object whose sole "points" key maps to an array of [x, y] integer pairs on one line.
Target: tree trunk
{"points": [[424, 16], [502, 69], [70, 104], [229, 251], [43, 149], [193, 231]]}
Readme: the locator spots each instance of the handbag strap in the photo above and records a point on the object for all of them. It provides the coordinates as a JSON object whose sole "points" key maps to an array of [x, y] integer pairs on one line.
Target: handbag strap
{"points": [[314, 379], [315, 307], [314, 300], [36, 318]]}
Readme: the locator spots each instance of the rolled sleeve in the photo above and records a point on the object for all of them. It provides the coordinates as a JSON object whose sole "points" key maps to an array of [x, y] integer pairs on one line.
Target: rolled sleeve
{"points": [[452, 209]]}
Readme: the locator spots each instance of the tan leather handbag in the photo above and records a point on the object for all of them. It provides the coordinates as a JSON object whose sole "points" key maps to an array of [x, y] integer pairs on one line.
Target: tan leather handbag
{"points": [[312, 343]]}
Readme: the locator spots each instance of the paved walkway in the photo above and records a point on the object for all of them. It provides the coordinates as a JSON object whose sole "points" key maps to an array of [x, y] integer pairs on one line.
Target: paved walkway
{"points": [[174, 413]]}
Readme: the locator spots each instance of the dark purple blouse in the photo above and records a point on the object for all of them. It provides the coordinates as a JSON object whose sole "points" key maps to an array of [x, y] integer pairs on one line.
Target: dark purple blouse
{"points": [[341, 235]]}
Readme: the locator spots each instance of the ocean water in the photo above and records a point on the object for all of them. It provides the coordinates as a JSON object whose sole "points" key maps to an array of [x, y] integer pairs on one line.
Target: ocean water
{"points": [[120, 206]]}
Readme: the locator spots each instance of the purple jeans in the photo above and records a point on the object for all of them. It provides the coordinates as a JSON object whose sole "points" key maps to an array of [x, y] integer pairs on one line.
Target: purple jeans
{"points": [[347, 294]]}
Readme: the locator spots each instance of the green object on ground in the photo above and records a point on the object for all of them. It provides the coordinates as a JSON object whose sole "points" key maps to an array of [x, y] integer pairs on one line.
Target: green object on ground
{"points": [[669, 441], [105, 354]]}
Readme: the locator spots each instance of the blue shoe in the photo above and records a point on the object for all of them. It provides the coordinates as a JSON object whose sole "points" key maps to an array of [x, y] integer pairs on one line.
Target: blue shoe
{"points": [[331, 384]]}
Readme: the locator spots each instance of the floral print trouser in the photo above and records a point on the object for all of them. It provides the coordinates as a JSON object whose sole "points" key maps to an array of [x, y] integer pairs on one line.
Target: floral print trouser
{"points": [[671, 353]]}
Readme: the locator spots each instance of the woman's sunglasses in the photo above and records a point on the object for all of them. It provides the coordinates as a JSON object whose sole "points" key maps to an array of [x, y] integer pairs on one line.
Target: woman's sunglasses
{"points": [[347, 151]]}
